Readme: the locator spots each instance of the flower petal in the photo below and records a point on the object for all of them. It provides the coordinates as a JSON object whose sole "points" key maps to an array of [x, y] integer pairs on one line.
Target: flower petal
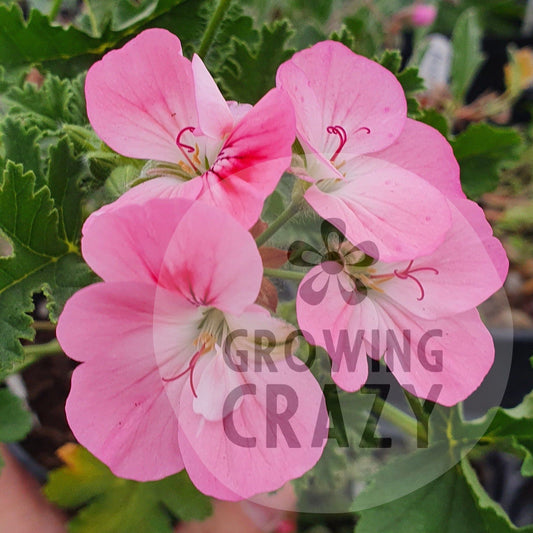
{"points": [[216, 380], [329, 85], [251, 162], [118, 407], [399, 212], [214, 116], [279, 411], [211, 259], [141, 96], [446, 359], [337, 323], [129, 242], [423, 151], [465, 270], [108, 317]]}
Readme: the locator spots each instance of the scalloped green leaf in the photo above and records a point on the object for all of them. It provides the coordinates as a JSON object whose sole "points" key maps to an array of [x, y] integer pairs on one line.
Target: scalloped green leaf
{"points": [[249, 73], [40, 40], [481, 150], [19, 143], [113, 505], [452, 503], [41, 260], [15, 419]]}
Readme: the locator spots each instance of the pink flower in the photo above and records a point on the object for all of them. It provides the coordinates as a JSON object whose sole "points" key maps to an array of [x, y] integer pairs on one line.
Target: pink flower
{"points": [[147, 101], [419, 315], [175, 371], [348, 108], [423, 15]]}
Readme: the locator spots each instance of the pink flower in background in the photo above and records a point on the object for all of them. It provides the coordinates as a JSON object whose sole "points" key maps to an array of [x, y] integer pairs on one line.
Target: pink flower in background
{"points": [[348, 108], [175, 372], [419, 315], [147, 101], [423, 15]]}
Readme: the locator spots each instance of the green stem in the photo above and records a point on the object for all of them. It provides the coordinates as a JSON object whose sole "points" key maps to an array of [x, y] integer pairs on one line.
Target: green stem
{"points": [[54, 10], [291, 210], [283, 274], [420, 414], [43, 325], [212, 27], [37, 351], [397, 417], [92, 18], [34, 352]]}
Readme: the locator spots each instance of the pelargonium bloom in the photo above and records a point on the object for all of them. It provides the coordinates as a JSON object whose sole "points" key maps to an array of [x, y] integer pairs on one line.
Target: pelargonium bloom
{"points": [[423, 15], [348, 108], [147, 101], [175, 372], [419, 314]]}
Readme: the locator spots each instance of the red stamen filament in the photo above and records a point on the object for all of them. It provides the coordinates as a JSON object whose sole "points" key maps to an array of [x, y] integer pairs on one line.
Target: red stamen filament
{"points": [[186, 147], [341, 132], [343, 137], [190, 369], [408, 274]]}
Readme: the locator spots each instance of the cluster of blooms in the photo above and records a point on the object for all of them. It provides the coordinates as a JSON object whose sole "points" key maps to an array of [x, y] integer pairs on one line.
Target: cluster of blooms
{"points": [[182, 368]]}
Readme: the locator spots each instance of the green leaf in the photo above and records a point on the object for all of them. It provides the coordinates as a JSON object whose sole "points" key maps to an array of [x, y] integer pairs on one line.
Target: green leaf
{"points": [[391, 60], [41, 260], [409, 79], [114, 505], [64, 174], [366, 30], [20, 146], [481, 150], [39, 40], [467, 55], [249, 74], [453, 503], [511, 430], [56, 103], [15, 419], [433, 118]]}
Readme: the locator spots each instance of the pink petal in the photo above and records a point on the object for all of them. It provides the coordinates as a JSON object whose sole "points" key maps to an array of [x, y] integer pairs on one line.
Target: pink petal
{"points": [[329, 85], [215, 381], [477, 220], [238, 110], [422, 150], [251, 162], [446, 359], [106, 317], [336, 324], [138, 195], [141, 96], [222, 466], [255, 327], [129, 243], [399, 212], [211, 259], [214, 116], [462, 273], [118, 407]]}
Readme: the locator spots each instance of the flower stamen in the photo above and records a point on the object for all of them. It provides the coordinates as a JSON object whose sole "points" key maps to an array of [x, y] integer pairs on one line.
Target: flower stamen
{"points": [[184, 148], [408, 274], [341, 132], [206, 342]]}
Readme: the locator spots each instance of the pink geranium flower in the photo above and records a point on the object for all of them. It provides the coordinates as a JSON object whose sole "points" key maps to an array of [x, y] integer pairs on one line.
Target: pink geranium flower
{"points": [[419, 315], [175, 370], [348, 108], [423, 15], [147, 101]]}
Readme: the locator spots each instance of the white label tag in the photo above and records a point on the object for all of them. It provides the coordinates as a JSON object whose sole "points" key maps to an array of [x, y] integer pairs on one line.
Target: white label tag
{"points": [[436, 63]]}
